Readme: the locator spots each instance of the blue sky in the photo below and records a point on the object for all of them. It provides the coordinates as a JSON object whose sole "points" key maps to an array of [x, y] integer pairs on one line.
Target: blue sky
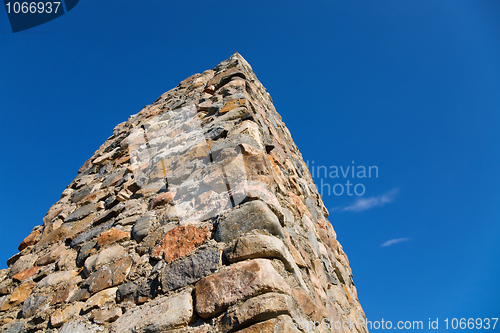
{"points": [[412, 87]]}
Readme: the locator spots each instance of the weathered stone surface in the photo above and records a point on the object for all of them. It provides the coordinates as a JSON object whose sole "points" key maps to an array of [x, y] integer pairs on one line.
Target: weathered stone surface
{"points": [[112, 179], [256, 309], [80, 213], [22, 264], [59, 317], [19, 277], [30, 240], [235, 103], [63, 292], [16, 327], [176, 310], [137, 291], [110, 202], [35, 303], [106, 316], [254, 215], [82, 193], [258, 246], [54, 254], [108, 214], [181, 240], [183, 272], [88, 235], [282, 324], [258, 190], [3, 300], [52, 236], [101, 298], [75, 228], [67, 261], [84, 253], [12, 260], [142, 226], [106, 256], [124, 195], [309, 306], [19, 295], [56, 278], [161, 199], [109, 275], [111, 236], [6, 287], [239, 281], [80, 326]]}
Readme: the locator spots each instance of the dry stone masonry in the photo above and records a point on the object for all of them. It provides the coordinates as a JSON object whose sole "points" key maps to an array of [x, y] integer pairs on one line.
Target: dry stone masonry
{"points": [[198, 214]]}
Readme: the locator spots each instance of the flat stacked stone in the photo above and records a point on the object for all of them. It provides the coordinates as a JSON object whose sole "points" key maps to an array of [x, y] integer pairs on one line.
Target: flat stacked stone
{"points": [[198, 214]]}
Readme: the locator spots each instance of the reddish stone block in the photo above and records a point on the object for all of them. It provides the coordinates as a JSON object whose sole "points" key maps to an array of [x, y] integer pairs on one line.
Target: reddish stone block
{"points": [[111, 236], [181, 240], [30, 240], [25, 274]]}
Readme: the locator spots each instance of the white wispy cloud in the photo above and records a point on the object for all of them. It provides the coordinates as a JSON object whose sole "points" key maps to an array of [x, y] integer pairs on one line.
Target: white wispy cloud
{"points": [[394, 241], [367, 203]]}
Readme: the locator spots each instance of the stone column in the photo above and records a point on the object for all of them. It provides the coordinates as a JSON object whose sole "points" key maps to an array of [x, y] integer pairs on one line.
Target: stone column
{"points": [[198, 214]]}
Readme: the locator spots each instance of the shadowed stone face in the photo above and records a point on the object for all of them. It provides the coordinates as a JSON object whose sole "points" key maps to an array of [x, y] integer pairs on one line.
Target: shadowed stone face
{"points": [[183, 272]]}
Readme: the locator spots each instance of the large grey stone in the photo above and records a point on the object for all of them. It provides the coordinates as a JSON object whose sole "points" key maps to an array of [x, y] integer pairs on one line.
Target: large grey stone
{"points": [[17, 327], [84, 253], [106, 256], [35, 303], [158, 315], [109, 214], [142, 226], [88, 235], [137, 291], [56, 278], [109, 275], [258, 246], [183, 272], [80, 326], [22, 264], [80, 213], [256, 309], [80, 194], [254, 215], [112, 178], [242, 280]]}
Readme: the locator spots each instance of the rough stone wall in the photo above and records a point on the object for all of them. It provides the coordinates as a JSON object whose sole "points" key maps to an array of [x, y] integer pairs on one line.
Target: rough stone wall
{"points": [[197, 215]]}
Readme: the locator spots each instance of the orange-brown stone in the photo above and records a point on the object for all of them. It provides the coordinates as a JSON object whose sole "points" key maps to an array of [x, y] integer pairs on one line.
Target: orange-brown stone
{"points": [[25, 274], [30, 240], [181, 240], [162, 199], [233, 104], [311, 309], [111, 236], [109, 275], [53, 236], [19, 295]]}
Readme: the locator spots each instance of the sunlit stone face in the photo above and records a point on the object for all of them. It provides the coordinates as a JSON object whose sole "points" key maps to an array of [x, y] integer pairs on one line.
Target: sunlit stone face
{"points": [[172, 152]]}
